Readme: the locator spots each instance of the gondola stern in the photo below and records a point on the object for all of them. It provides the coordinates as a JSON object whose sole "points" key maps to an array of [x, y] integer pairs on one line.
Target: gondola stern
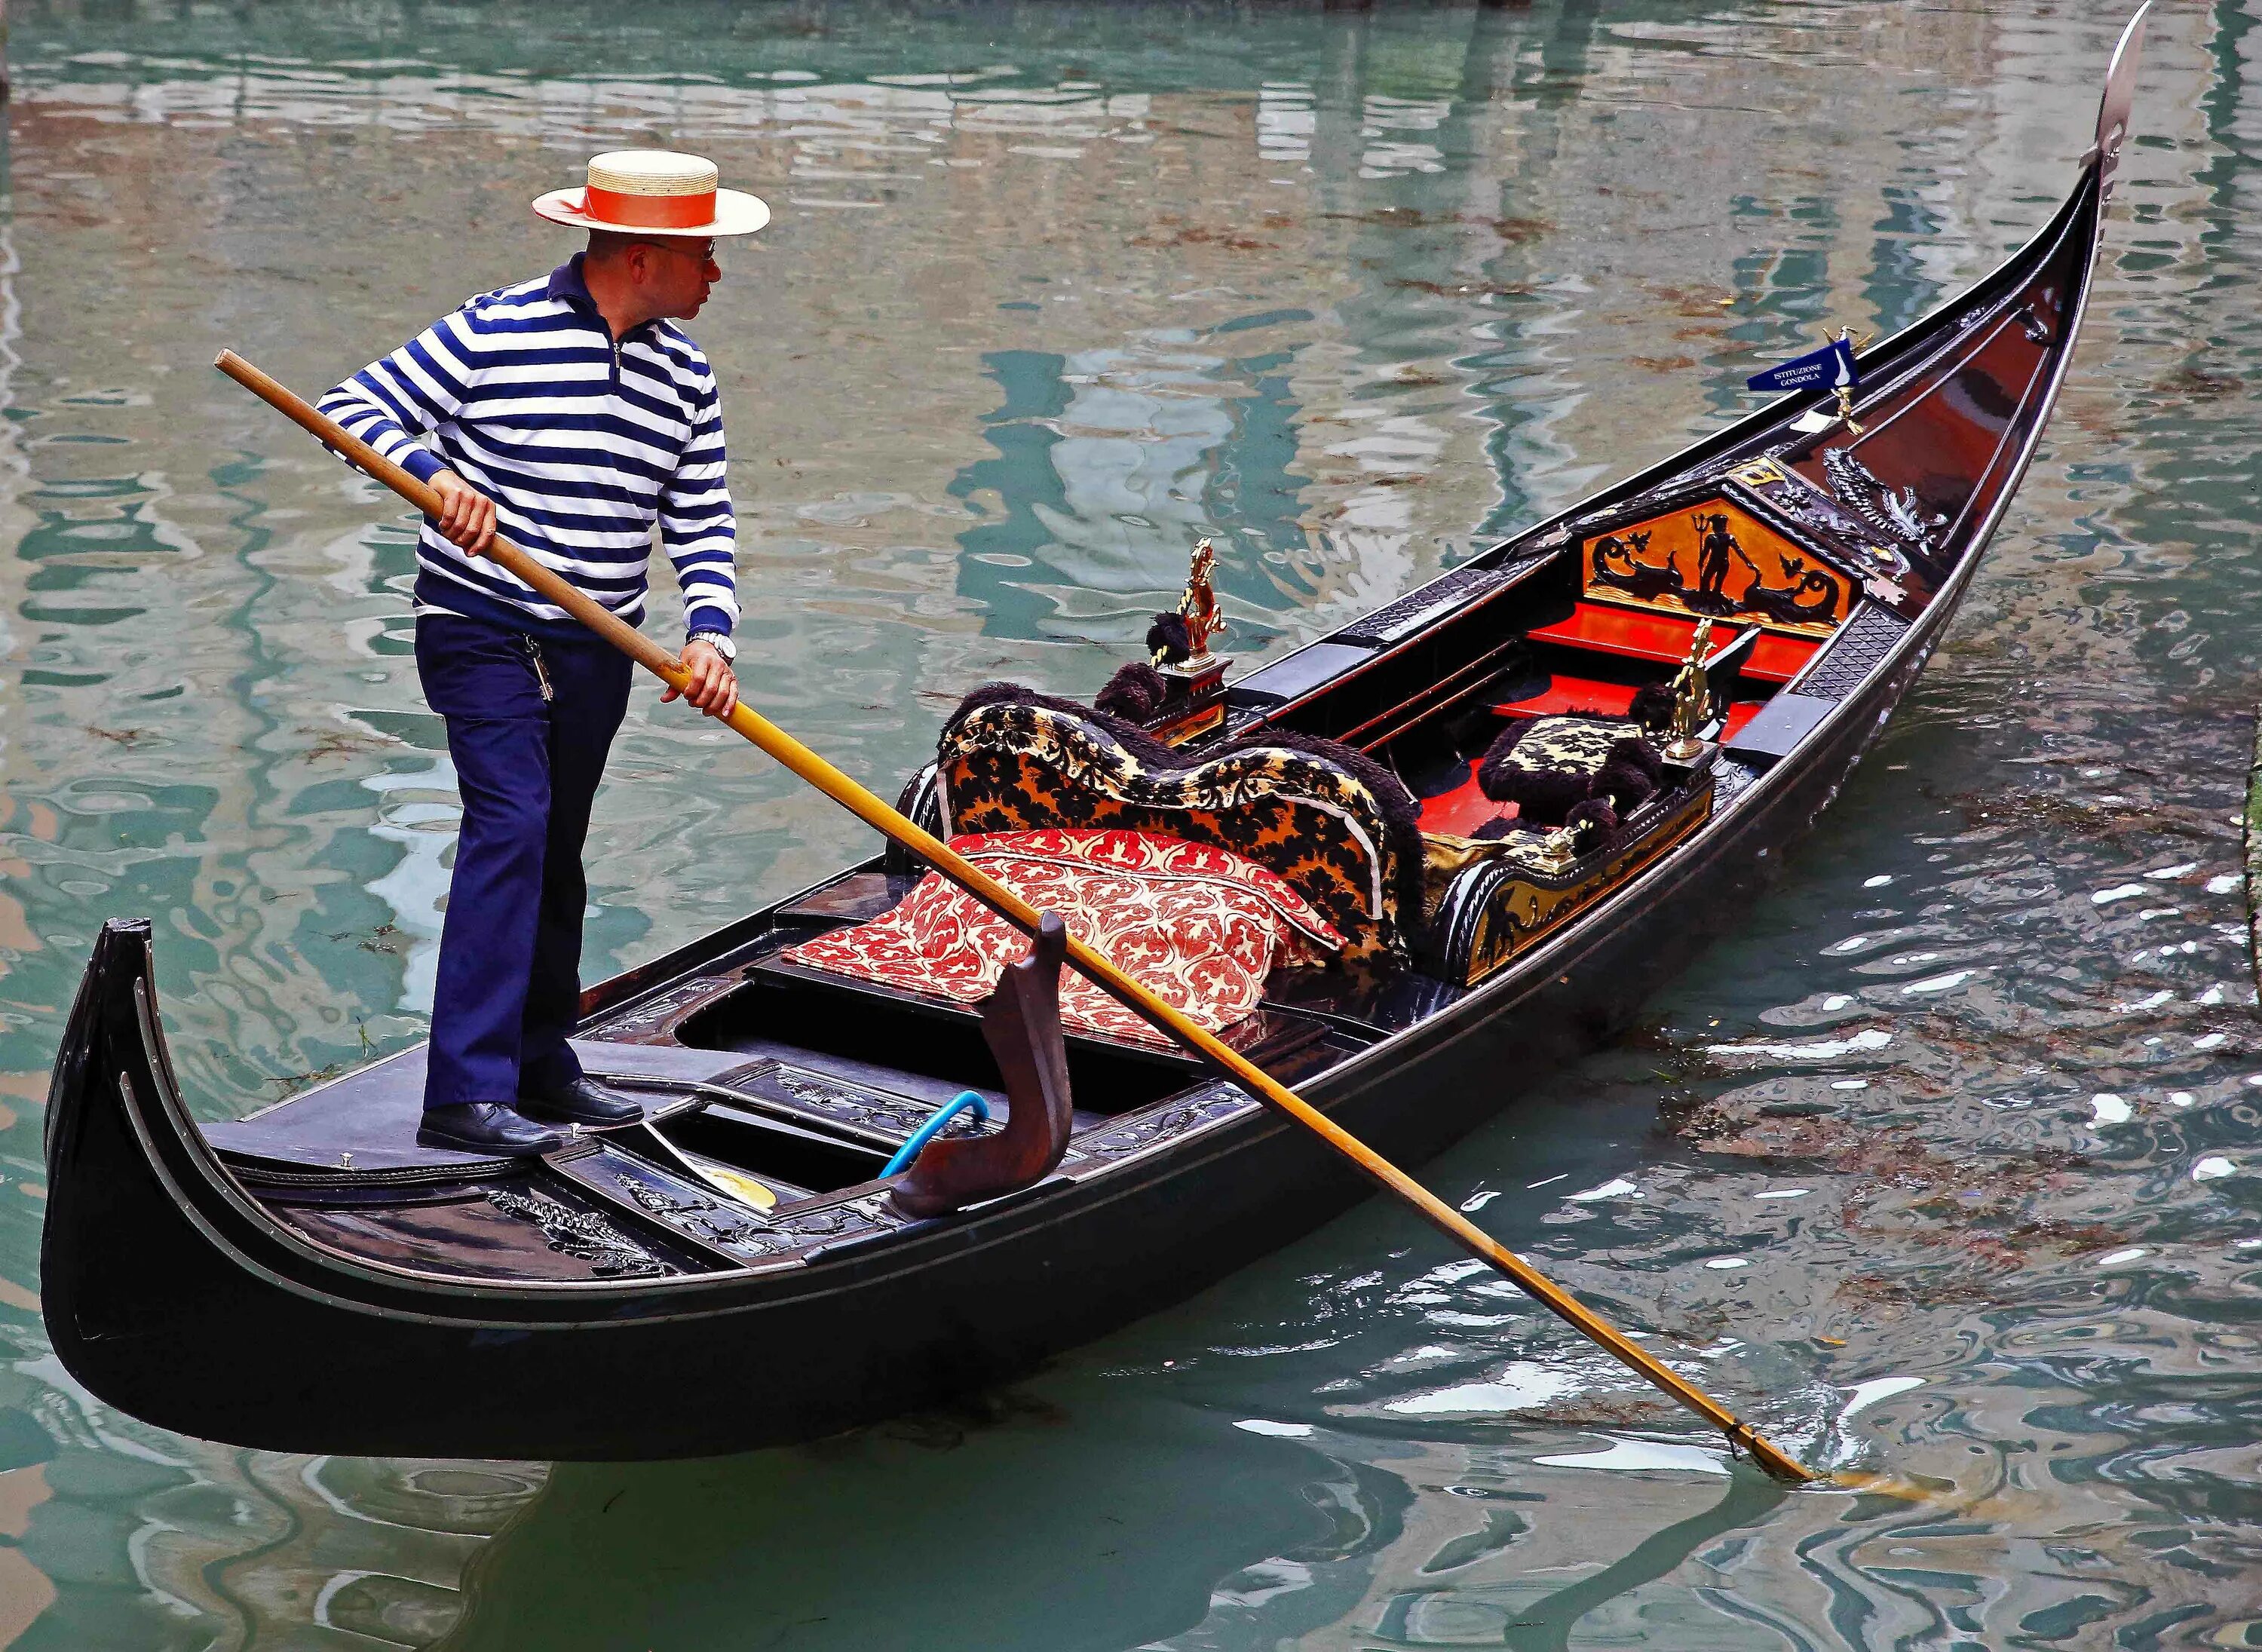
{"points": [[121, 958], [112, 1251]]}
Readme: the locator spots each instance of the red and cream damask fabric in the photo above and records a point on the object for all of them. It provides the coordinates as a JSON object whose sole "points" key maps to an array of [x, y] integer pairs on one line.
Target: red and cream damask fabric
{"points": [[1339, 830], [1198, 925]]}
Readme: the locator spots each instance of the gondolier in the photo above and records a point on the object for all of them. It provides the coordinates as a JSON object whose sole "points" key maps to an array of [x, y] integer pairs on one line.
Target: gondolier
{"points": [[572, 416]]}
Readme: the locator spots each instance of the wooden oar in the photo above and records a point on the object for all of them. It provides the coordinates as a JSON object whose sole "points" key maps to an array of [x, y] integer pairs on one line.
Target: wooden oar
{"points": [[995, 895]]}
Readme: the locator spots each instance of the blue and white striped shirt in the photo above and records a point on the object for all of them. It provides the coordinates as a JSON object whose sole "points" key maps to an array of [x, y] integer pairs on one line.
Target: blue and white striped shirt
{"points": [[583, 444]]}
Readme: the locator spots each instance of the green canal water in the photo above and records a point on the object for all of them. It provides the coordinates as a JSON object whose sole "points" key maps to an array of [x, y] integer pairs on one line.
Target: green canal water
{"points": [[1945, 1161]]}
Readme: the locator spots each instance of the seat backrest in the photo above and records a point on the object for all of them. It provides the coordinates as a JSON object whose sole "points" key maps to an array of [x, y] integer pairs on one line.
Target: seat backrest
{"points": [[1340, 829]]}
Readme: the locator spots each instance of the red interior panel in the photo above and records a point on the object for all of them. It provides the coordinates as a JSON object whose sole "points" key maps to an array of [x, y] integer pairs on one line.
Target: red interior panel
{"points": [[1779, 659], [1461, 810], [1611, 630], [1620, 631]]}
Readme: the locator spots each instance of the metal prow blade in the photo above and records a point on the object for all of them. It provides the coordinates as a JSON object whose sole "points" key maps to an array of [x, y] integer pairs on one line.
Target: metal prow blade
{"points": [[2119, 94]]}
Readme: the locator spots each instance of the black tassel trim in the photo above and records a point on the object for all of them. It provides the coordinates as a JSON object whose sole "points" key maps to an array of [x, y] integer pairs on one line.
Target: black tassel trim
{"points": [[1630, 776], [1134, 693], [1652, 707], [1170, 636]]}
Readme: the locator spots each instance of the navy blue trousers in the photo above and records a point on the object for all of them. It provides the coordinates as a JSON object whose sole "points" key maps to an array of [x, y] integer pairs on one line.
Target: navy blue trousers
{"points": [[510, 950]]}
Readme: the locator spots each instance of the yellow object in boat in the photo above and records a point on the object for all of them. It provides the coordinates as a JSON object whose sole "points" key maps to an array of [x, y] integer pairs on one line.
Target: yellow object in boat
{"points": [[737, 1184]]}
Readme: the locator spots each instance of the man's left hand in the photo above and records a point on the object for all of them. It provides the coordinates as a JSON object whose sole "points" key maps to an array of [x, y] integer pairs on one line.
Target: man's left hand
{"points": [[713, 687]]}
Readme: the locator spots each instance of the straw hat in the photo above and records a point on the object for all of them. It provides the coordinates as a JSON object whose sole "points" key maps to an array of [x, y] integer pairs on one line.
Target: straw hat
{"points": [[654, 193]]}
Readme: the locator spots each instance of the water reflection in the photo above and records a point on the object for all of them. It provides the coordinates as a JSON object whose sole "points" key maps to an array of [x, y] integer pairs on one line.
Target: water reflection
{"points": [[1111, 463], [1945, 1160]]}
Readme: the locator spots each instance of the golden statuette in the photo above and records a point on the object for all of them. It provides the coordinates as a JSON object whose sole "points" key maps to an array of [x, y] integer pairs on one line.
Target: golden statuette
{"points": [[1692, 698], [1559, 850], [1199, 608]]}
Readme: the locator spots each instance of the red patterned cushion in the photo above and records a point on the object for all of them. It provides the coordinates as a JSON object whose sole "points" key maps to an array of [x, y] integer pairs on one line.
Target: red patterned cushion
{"points": [[1198, 925]]}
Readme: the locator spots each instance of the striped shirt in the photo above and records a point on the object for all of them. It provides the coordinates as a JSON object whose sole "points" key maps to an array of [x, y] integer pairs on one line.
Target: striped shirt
{"points": [[583, 443]]}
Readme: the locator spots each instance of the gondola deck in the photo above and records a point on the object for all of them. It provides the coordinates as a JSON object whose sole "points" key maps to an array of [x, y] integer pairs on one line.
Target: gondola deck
{"points": [[740, 1249]]}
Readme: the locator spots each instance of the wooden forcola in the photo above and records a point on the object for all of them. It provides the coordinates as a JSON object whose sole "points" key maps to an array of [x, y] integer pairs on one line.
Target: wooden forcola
{"points": [[869, 809]]}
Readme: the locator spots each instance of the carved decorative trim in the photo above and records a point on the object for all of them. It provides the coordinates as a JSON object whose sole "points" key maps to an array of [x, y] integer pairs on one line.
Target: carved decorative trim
{"points": [[1896, 516], [582, 1234], [699, 1217], [1803, 513], [834, 1222], [1410, 613], [1730, 778], [1180, 1118], [649, 1021], [1666, 494]]}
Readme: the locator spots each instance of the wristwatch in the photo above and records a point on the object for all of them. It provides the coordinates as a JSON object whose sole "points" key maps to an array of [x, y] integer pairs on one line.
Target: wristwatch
{"points": [[719, 641]]}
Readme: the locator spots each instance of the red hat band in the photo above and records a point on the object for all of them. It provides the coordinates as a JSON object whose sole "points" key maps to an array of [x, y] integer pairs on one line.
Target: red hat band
{"points": [[648, 211]]}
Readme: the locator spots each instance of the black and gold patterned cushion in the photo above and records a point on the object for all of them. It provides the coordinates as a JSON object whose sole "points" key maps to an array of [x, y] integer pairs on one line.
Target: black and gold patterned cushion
{"points": [[1340, 829], [1549, 766]]}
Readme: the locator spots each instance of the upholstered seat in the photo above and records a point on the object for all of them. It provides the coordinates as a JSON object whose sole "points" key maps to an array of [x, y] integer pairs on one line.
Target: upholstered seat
{"points": [[1559, 769], [1198, 926], [1337, 827]]}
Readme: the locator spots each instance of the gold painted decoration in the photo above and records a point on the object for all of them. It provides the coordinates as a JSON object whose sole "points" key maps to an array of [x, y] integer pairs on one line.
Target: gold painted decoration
{"points": [[1521, 910], [1715, 560]]}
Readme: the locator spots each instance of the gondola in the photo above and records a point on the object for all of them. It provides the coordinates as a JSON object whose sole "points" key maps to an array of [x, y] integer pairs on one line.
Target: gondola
{"points": [[1700, 653]]}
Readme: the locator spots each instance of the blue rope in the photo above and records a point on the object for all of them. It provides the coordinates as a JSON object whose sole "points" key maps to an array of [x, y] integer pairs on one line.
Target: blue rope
{"points": [[933, 1127]]}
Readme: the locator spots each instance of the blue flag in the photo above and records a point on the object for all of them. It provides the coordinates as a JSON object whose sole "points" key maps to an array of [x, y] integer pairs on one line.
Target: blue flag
{"points": [[1830, 367]]}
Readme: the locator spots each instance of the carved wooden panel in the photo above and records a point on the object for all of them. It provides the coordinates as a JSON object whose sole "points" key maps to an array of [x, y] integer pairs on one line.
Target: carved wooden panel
{"points": [[1715, 557]]}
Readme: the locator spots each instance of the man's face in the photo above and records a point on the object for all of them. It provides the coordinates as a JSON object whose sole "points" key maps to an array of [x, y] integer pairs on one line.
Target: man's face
{"points": [[678, 276]]}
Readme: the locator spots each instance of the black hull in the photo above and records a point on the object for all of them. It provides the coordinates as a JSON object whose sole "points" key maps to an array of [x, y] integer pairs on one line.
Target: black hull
{"points": [[171, 1291]]}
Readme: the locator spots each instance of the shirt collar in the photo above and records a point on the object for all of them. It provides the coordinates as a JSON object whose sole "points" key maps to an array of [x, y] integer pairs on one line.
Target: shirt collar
{"points": [[566, 281]]}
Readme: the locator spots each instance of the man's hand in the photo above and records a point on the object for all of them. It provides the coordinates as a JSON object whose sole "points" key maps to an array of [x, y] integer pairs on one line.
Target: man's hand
{"points": [[467, 516], [713, 687]]}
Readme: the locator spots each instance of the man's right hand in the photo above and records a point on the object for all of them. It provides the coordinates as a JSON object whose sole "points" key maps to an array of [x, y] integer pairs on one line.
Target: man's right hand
{"points": [[467, 516]]}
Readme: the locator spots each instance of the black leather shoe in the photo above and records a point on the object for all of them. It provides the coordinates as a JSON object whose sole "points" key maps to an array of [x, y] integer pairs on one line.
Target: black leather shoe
{"points": [[583, 1101], [486, 1127]]}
